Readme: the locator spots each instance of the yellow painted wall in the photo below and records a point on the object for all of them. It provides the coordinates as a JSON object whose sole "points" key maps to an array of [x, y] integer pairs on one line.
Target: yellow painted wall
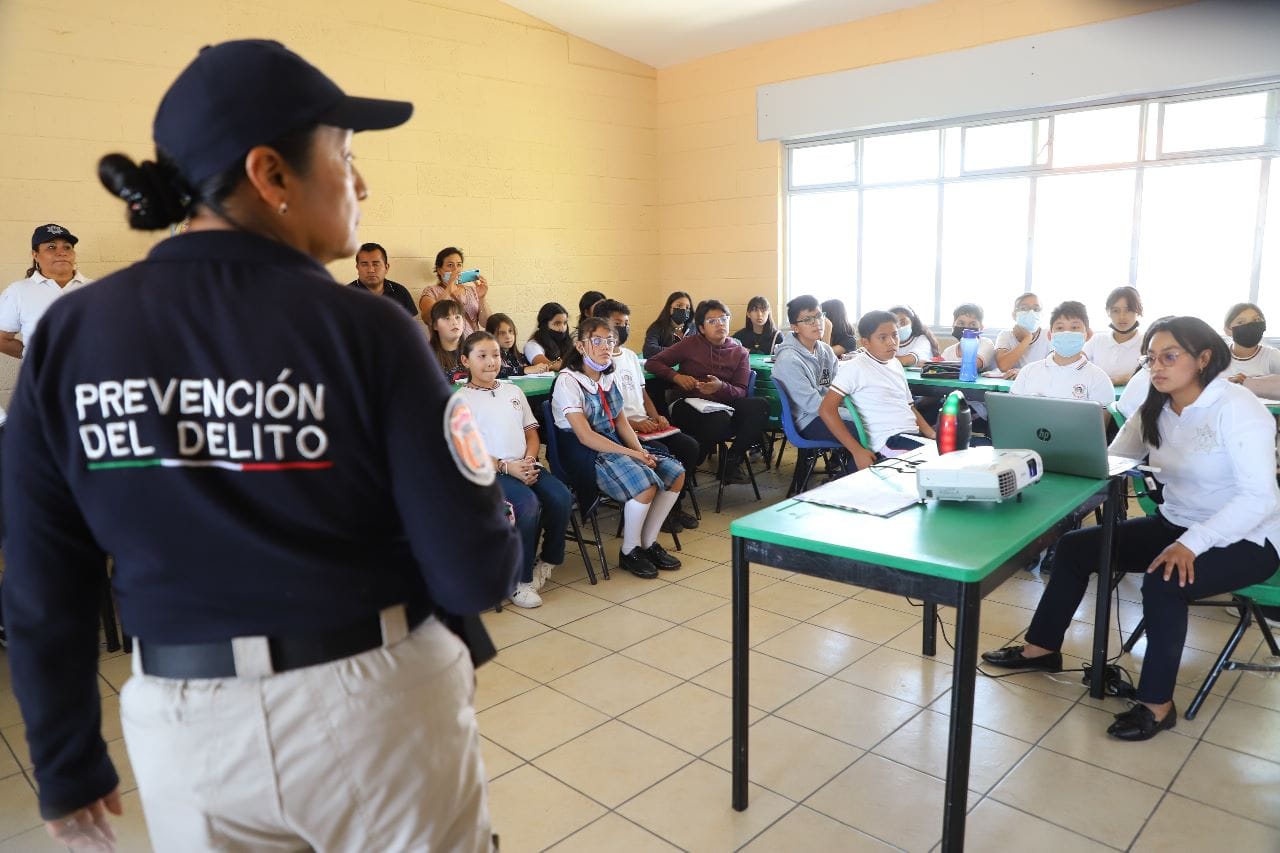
{"points": [[719, 190]]}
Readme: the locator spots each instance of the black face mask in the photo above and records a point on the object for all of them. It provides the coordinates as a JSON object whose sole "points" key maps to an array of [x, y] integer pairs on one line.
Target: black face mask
{"points": [[1116, 328], [957, 332], [680, 316], [1249, 335], [623, 332]]}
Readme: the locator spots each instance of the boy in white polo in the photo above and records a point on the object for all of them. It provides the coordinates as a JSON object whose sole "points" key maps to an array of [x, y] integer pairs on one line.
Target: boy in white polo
{"points": [[1025, 342], [1066, 374]]}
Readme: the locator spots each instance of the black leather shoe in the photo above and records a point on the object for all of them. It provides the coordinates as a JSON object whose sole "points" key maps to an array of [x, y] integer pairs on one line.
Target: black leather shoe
{"points": [[672, 524], [687, 520], [638, 563], [735, 474], [1010, 657], [660, 558], [1138, 723]]}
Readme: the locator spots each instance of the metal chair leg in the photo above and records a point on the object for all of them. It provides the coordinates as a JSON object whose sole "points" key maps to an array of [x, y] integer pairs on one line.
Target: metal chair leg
{"points": [[581, 540], [1243, 625], [1265, 627], [604, 561]]}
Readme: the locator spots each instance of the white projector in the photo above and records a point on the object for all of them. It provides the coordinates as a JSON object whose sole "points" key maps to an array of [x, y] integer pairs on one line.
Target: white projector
{"points": [[978, 474]]}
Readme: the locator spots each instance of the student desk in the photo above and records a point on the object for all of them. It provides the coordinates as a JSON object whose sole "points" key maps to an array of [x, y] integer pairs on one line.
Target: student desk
{"points": [[976, 390], [944, 552]]}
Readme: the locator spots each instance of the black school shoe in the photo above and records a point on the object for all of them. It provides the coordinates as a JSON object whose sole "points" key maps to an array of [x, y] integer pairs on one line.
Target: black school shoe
{"points": [[1138, 723], [688, 520], [1010, 657], [638, 563], [672, 524], [735, 473], [660, 558]]}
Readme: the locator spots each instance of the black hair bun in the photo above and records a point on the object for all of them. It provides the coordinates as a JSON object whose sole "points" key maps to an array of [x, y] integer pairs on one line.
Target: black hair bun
{"points": [[156, 194]]}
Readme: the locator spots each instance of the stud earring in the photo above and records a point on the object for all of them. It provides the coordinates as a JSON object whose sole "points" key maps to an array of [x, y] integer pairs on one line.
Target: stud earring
{"points": [[283, 208]]}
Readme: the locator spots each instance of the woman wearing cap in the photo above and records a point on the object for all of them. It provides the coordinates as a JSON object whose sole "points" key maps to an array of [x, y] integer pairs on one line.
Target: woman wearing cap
{"points": [[51, 274], [247, 458]]}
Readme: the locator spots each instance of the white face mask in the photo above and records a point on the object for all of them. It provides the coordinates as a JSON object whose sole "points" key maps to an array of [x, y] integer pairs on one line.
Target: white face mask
{"points": [[1029, 320], [904, 333], [446, 277]]}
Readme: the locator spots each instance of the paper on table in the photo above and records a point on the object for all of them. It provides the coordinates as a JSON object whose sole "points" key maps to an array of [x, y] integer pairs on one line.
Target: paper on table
{"points": [[874, 491]]}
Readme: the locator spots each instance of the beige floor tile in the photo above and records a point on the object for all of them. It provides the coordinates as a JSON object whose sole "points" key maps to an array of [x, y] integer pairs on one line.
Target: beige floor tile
{"points": [[1235, 782], [497, 760], [18, 809], [761, 624], [496, 683], [613, 763], [116, 671], [1130, 612], [1100, 804], [10, 715], [993, 827], [509, 627], [1002, 620], [910, 641], [692, 809], [534, 722], [776, 762], [711, 547], [1211, 635], [16, 738], [904, 676], [843, 590], [865, 620], [616, 627], [712, 522], [563, 605], [8, 763], [681, 651], [1082, 734], [615, 834], [798, 602], [111, 728], [675, 603], [887, 801], [690, 565], [890, 600], [690, 717], [531, 810], [803, 830], [849, 713], [615, 684], [120, 758], [34, 840], [1257, 689], [1247, 728], [772, 572], [816, 648], [622, 586], [1012, 710], [718, 580], [1067, 684], [1182, 824], [772, 683], [922, 744], [549, 656], [1019, 590]]}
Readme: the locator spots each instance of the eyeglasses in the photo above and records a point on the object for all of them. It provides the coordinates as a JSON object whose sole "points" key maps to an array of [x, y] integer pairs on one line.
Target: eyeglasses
{"points": [[718, 321], [601, 342], [1168, 358], [811, 321]]}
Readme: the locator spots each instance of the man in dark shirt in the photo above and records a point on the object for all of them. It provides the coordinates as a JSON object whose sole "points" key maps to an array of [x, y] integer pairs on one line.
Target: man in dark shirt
{"points": [[371, 268]]}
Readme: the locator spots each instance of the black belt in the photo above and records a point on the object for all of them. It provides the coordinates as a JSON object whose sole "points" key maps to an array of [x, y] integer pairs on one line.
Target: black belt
{"points": [[216, 660]]}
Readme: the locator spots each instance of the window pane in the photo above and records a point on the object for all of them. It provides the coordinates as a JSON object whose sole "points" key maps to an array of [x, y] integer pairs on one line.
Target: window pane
{"points": [[997, 146], [951, 152], [1238, 121], [824, 242], [1084, 226], [1269, 284], [900, 157], [899, 248], [824, 164], [1096, 136], [984, 245], [1198, 225]]}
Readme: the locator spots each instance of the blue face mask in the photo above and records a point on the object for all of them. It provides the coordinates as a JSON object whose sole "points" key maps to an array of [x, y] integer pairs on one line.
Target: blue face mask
{"points": [[598, 367], [1067, 344], [904, 333], [446, 277], [1029, 320]]}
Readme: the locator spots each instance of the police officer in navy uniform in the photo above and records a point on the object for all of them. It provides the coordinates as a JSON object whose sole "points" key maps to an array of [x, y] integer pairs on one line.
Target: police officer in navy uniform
{"points": [[219, 419]]}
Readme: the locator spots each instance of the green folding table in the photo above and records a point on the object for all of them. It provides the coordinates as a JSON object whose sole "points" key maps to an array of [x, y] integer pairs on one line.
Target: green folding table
{"points": [[942, 552]]}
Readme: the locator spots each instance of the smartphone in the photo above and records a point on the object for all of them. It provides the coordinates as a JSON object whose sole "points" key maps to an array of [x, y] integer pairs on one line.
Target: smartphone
{"points": [[468, 276]]}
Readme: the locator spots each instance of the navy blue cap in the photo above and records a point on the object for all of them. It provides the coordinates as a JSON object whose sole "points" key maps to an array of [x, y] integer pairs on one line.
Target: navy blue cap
{"points": [[49, 233], [239, 94]]}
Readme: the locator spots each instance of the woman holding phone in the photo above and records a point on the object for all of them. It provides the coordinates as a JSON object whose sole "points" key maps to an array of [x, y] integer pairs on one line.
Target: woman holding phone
{"points": [[466, 287]]}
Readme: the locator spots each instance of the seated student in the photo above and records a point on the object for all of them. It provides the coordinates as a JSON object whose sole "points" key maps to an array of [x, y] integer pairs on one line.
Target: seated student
{"points": [[674, 322], [1066, 374], [540, 502], [916, 344], [759, 336], [803, 367], [842, 340], [1135, 390], [586, 302], [447, 323], [1117, 351], [876, 382], [1249, 355], [598, 444], [969, 316], [713, 366], [639, 408], [1218, 526], [1024, 343], [503, 329], [550, 341]]}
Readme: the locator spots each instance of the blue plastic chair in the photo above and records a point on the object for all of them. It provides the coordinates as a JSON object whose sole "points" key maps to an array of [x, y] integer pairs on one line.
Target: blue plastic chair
{"points": [[807, 449], [578, 514]]}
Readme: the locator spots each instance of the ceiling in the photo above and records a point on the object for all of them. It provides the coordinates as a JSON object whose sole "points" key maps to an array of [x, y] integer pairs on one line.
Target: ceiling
{"points": [[668, 32]]}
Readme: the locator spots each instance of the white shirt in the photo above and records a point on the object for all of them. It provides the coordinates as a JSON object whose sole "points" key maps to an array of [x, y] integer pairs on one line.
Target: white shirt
{"points": [[24, 302], [986, 353], [570, 390], [502, 416], [1038, 350], [1264, 362], [918, 346], [1217, 463], [629, 375], [532, 349], [1134, 393], [880, 393], [1079, 380], [1115, 359]]}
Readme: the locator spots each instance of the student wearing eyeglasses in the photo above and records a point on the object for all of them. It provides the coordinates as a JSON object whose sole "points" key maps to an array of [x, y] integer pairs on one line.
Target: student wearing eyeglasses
{"points": [[804, 366], [1216, 530]]}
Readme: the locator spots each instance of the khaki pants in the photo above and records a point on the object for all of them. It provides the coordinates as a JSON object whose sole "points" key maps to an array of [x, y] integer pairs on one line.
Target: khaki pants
{"points": [[378, 751]]}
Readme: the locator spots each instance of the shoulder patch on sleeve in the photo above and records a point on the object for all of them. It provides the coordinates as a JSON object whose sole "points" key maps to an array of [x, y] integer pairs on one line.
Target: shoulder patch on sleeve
{"points": [[465, 443]]}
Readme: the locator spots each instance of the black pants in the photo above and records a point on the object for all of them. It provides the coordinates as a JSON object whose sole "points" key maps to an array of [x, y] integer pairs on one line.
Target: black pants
{"points": [[1164, 603], [657, 390], [683, 447], [747, 423]]}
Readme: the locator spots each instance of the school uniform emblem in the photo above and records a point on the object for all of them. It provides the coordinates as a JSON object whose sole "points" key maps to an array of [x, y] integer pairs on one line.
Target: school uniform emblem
{"points": [[466, 446], [1078, 391]]}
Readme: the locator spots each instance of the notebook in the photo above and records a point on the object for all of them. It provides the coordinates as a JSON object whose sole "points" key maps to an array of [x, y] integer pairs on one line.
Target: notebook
{"points": [[1069, 435]]}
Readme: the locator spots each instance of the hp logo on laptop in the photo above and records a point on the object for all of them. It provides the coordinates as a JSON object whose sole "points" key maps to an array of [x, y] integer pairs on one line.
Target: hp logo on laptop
{"points": [[1043, 434]]}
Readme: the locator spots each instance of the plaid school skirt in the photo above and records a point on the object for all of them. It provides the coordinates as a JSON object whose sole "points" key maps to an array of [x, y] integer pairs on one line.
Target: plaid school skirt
{"points": [[622, 478]]}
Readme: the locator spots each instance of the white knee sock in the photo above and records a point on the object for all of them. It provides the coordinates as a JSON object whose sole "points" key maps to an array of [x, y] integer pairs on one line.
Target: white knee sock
{"points": [[633, 515], [658, 510]]}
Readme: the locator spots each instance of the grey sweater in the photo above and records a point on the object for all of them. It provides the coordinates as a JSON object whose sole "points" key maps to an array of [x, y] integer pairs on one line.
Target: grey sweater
{"points": [[803, 376]]}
